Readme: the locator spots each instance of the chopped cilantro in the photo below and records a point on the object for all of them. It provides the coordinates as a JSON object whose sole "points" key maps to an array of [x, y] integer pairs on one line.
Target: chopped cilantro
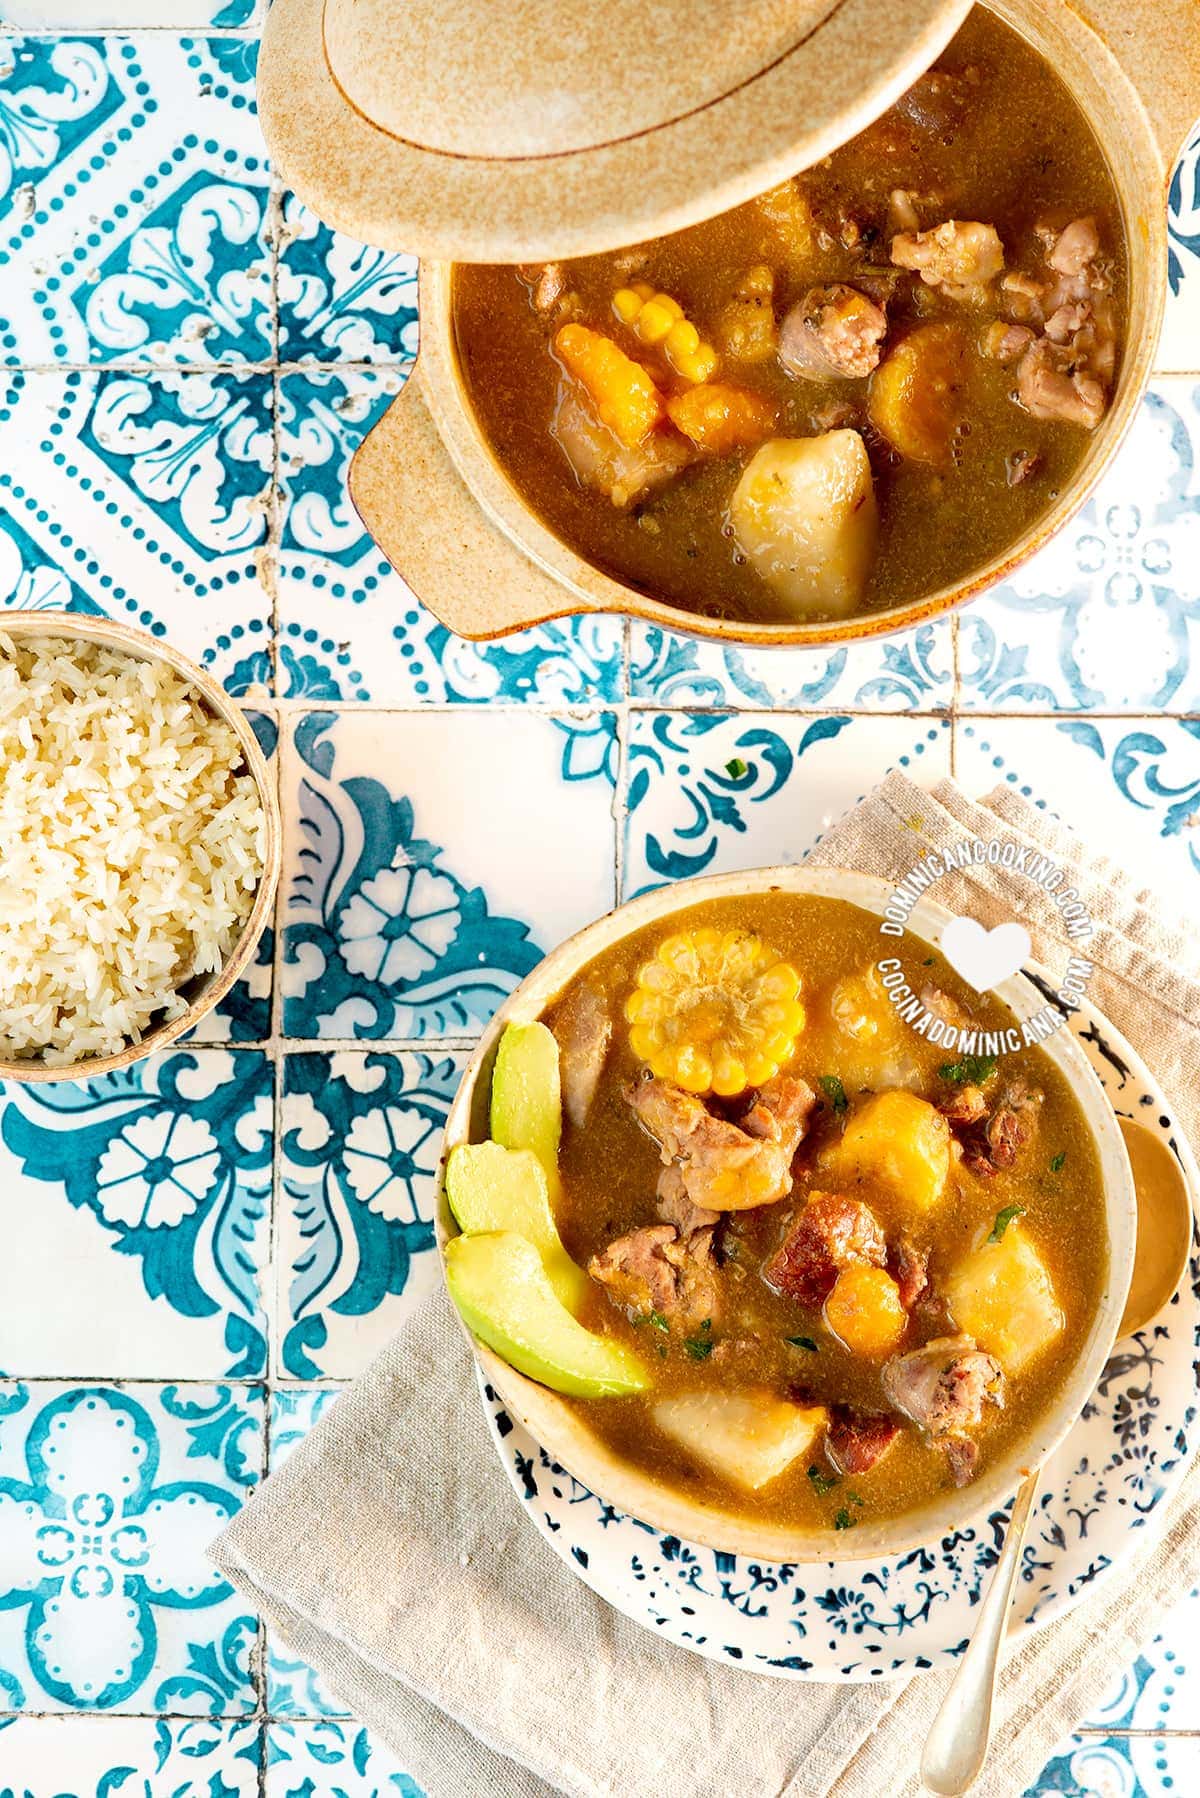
{"points": [[834, 1091], [971, 1070], [822, 1482], [804, 1342], [1058, 1161], [699, 1347], [844, 1521], [659, 1321], [929, 961], [856, 1499], [736, 768], [1003, 1220]]}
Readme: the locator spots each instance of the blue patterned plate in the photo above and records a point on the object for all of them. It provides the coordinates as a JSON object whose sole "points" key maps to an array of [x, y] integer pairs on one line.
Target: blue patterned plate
{"points": [[862, 1620]]}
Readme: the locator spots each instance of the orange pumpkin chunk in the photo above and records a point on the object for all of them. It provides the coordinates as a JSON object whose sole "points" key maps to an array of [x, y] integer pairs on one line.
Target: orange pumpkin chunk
{"points": [[916, 395], [864, 1310], [719, 419], [622, 394]]}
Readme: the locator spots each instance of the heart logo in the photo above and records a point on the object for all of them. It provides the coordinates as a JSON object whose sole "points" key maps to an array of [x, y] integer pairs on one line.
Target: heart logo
{"points": [[985, 957]]}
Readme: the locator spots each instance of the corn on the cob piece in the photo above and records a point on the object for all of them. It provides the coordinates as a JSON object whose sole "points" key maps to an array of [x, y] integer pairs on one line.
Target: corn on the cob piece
{"points": [[715, 1011], [659, 321]]}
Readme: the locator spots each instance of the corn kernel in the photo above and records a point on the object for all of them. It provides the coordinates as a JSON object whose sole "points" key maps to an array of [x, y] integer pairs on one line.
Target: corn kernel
{"points": [[654, 321], [627, 304], [683, 339]]}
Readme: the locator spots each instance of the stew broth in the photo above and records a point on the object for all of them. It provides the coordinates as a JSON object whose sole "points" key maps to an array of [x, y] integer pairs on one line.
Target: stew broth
{"points": [[992, 136]]}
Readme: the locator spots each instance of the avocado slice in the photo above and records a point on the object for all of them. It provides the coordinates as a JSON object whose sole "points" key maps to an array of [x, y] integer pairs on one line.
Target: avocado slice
{"points": [[490, 1187], [505, 1297], [527, 1095]]}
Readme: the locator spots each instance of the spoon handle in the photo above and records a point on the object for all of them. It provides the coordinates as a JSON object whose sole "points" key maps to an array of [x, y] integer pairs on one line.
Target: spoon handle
{"points": [[957, 1744]]}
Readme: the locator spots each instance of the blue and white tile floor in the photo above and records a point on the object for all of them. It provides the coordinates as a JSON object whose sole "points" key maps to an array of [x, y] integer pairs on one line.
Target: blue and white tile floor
{"points": [[211, 1244]]}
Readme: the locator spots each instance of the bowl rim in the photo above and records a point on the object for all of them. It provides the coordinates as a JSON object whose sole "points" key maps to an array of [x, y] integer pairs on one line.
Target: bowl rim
{"points": [[551, 1419], [588, 588], [83, 627]]}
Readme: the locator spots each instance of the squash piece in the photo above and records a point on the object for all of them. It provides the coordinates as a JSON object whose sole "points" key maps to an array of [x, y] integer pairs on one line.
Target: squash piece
{"points": [[787, 213], [916, 394], [804, 515], [1001, 1293], [854, 1033], [622, 393], [864, 1310], [899, 1140], [719, 419], [748, 1437]]}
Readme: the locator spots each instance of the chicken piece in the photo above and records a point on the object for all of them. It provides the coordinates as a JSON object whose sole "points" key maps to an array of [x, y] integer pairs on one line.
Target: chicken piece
{"points": [[546, 282], [831, 1232], [674, 1206], [1052, 385], [957, 256], [747, 1437], [722, 1166], [1002, 1294], [804, 516], [583, 1029], [655, 1271], [909, 1267], [600, 460], [1022, 297], [746, 326], [1068, 252], [899, 1140], [833, 334], [856, 1440], [1004, 342], [943, 1388]]}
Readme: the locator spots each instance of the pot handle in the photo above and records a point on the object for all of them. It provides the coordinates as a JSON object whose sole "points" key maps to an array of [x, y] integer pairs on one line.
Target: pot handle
{"points": [[424, 518], [1157, 43]]}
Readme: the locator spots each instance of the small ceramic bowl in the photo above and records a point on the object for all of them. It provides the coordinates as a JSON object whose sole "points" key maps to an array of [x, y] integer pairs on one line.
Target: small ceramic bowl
{"points": [[203, 992], [434, 496], [554, 1423]]}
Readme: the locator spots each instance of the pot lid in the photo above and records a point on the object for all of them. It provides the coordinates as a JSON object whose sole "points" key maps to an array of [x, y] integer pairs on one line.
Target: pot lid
{"points": [[554, 128]]}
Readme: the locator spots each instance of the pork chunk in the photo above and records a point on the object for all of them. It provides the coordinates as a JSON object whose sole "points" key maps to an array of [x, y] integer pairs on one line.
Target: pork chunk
{"points": [[1051, 384], [856, 1440], [831, 1232], [834, 333], [958, 254], [1070, 251], [674, 1206], [998, 1141], [655, 1270], [725, 1166], [909, 1267], [943, 1388]]}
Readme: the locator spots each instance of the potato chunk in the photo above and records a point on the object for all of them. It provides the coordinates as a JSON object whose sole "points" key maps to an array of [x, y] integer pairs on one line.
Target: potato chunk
{"points": [[864, 1310], [748, 1437], [804, 515], [898, 1139], [916, 399], [1001, 1293]]}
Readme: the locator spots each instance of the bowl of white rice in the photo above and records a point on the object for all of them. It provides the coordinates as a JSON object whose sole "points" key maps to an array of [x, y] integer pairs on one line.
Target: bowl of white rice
{"points": [[139, 845]]}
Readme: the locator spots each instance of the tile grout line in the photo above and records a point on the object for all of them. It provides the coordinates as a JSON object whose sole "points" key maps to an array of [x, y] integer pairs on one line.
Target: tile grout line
{"points": [[526, 708]]}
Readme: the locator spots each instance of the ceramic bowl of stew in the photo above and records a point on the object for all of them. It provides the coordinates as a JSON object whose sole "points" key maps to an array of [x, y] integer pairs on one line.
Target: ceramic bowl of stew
{"points": [[1050, 1228], [976, 396]]}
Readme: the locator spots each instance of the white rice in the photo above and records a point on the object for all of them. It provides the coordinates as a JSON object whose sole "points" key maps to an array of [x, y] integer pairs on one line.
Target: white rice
{"points": [[131, 845]]}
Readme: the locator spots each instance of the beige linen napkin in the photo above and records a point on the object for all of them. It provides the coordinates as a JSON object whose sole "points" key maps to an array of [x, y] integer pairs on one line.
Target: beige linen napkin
{"points": [[389, 1551]]}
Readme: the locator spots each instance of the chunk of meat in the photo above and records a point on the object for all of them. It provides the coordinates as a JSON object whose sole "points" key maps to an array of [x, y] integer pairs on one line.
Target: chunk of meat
{"points": [[957, 255], [1022, 297], [724, 1166], [1071, 250], [965, 1106], [1020, 465], [583, 1029], [674, 1206], [1013, 1123], [943, 1388], [834, 333], [831, 1233], [942, 1005], [1004, 342], [1052, 384], [655, 1270], [902, 212], [599, 459], [909, 1267], [856, 1440], [546, 282], [937, 101]]}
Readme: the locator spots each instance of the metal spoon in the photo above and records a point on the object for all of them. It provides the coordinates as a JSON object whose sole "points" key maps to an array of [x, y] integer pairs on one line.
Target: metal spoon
{"points": [[957, 1744]]}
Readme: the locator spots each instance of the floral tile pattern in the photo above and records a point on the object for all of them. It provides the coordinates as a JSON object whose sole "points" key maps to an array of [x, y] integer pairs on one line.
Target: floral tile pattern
{"points": [[389, 930], [361, 1137], [188, 360], [153, 1186], [108, 1499], [709, 792], [1107, 617], [91, 1757]]}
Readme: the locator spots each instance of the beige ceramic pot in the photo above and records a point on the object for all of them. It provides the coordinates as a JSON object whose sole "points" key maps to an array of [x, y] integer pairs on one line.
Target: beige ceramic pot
{"points": [[558, 1428], [205, 991], [425, 137]]}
